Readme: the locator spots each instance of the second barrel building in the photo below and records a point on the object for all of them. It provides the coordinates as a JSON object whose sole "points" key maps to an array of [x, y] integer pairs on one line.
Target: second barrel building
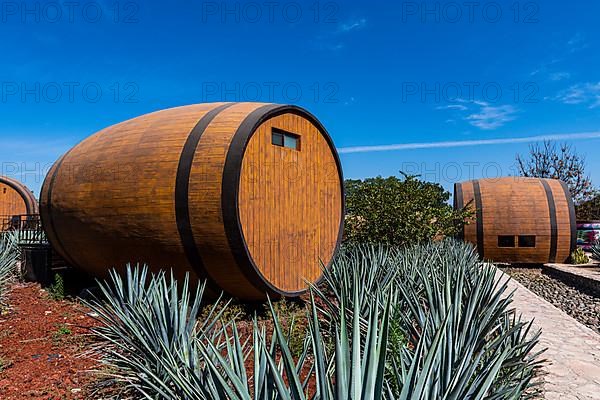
{"points": [[519, 220]]}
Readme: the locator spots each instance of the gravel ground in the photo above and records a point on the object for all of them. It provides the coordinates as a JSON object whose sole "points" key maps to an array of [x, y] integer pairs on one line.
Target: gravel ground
{"points": [[581, 306]]}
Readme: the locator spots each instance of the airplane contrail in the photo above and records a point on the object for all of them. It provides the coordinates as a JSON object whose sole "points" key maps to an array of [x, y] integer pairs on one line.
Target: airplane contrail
{"points": [[466, 143]]}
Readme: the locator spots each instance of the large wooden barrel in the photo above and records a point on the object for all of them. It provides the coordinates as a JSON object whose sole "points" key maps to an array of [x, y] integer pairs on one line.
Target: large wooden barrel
{"points": [[15, 199], [247, 196], [519, 220]]}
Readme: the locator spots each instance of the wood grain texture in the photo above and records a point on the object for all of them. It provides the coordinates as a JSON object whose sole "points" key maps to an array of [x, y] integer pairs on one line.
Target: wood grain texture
{"points": [[112, 199], [520, 206], [15, 199], [301, 189]]}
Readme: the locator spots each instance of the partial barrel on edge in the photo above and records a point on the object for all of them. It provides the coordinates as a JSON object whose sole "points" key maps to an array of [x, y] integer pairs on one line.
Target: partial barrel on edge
{"points": [[16, 198]]}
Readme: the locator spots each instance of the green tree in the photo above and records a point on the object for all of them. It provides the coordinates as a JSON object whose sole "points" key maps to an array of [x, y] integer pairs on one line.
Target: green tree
{"points": [[399, 211]]}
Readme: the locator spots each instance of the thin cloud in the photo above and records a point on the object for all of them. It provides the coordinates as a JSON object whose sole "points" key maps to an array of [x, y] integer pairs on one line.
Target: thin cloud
{"points": [[583, 93], [468, 143], [559, 76], [350, 101], [492, 117], [482, 114], [458, 107], [577, 43], [545, 67], [354, 25], [333, 41]]}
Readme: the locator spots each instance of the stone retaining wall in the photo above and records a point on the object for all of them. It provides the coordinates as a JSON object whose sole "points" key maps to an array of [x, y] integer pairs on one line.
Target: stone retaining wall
{"points": [[585, 278]]}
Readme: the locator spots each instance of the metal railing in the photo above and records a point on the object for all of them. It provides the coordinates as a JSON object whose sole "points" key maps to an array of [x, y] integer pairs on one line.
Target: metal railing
{"points": [[28, 227]]}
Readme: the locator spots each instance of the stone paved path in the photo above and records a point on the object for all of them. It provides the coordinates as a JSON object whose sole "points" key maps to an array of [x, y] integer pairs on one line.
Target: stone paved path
{"points": [[573, 349]]}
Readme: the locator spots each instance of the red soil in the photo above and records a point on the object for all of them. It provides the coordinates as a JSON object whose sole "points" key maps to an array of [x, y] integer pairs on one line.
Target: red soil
{"points": [[41, 346]]}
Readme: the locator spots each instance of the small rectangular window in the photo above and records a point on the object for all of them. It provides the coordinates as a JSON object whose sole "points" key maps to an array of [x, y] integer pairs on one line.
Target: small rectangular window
{"points": [[290, 142], [526, 241], [506, 241], [277, 139], [285, 139]]}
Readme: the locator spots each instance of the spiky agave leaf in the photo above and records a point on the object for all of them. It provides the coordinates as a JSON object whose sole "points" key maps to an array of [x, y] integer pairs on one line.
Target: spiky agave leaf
{"points": [[465, 340], [148, 326], [459, 315], [595, 249], [371, 269], [350, 372], [276, 375], [9, 255]]}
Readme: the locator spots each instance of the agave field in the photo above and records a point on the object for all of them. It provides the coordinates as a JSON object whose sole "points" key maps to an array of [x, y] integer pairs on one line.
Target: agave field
{"points": [[425, 322]]}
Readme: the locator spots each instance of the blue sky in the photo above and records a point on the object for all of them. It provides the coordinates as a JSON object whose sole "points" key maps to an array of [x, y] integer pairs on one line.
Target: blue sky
{"points": [[376, 74]]}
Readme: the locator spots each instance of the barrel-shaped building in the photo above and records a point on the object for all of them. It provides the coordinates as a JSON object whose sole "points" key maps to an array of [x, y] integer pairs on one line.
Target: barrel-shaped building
{"points": [[519, 220], [15, 199], [247, 196]]}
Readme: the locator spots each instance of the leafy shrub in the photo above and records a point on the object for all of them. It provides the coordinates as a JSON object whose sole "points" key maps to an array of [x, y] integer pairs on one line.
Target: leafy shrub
{"points": [[589, 210], [578, 257], [399, 211], [429, 321]]}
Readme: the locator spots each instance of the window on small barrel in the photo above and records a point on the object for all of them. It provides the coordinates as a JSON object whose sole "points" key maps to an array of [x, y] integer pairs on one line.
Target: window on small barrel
{"points": [[285, 139], [526, 241], [506, 241]]}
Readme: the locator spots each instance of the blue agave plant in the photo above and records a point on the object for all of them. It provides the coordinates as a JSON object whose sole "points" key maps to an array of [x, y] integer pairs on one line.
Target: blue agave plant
{"points": [[462, 339]]}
